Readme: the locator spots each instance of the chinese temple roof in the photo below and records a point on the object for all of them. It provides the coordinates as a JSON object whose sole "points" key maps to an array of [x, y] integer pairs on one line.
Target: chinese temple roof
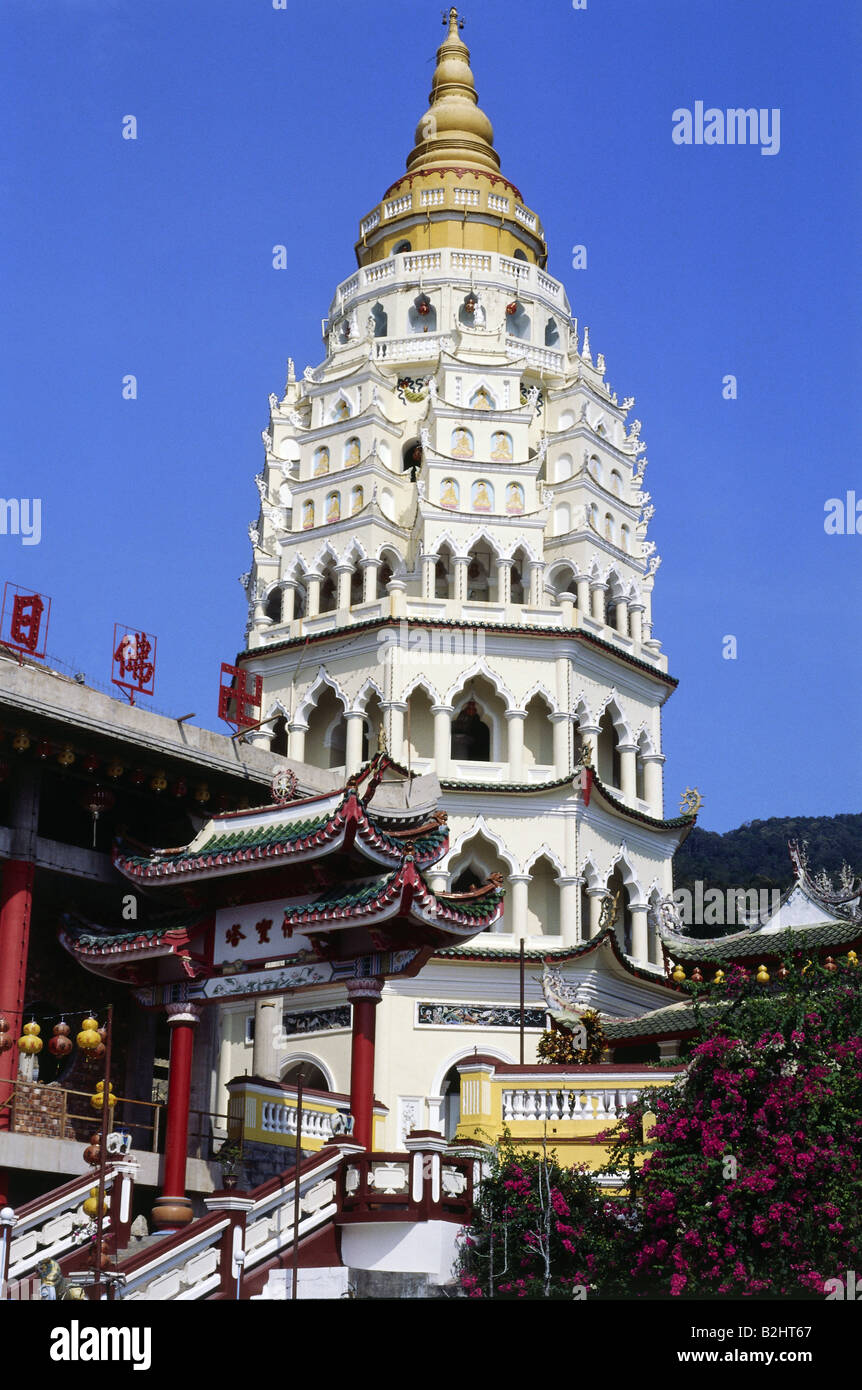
{"points": [[311, 923], [310, 828], [811, 915]]}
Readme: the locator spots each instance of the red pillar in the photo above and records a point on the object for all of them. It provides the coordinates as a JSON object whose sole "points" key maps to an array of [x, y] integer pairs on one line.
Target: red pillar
{"points": [[364, 995], [16, 903], [173, 1209]]}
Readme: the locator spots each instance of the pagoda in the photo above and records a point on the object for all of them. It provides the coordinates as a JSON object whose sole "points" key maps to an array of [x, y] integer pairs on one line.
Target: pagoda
{"points": [[451, 556]]}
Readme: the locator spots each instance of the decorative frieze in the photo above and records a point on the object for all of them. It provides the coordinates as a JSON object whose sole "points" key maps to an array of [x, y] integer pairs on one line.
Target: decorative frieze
{"points": [[478, 1016]]}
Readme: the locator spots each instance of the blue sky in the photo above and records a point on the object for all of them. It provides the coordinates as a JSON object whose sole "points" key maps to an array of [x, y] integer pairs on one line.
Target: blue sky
{"points": [[259, 127]]}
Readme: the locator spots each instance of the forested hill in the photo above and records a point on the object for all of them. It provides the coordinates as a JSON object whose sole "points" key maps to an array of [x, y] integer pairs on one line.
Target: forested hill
{"points": [[755, 855]]}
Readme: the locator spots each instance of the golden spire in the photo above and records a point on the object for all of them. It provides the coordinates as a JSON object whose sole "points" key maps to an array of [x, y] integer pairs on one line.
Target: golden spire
{"points": [[454, 130]]}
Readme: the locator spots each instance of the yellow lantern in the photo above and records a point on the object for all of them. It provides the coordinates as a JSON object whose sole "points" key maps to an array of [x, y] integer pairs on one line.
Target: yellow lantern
{"points": [[90, 1023], [718, 977], [678, 974], [88, 1039], [29, 1044], [21, 741], [114, 769], [202, 792], [852, 958], [66, 757], [91, 1206], [32, 1027], [762, 976]]}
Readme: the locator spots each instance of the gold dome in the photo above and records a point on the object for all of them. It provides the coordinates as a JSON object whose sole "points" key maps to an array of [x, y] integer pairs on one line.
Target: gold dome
{"points": [[454, 129]]}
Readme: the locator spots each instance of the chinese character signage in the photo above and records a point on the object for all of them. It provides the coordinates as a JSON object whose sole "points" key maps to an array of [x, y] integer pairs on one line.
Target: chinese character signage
{"points": [[255, 932], [24, 620], [239, 697], [134, 665]]}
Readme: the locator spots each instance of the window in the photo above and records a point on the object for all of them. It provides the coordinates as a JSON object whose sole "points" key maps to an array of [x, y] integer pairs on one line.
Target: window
{"points": [[471, 738]]}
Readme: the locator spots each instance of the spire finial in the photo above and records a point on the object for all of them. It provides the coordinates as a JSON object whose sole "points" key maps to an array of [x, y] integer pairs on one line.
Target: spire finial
{"points": [[451, 18], [454, 129]]}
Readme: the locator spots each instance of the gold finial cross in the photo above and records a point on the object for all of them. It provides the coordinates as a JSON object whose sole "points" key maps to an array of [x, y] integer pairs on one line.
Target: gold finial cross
{"points": [[690, 802]]}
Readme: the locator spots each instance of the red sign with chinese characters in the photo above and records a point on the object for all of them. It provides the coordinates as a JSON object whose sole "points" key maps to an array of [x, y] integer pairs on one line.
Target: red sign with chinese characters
{"points": [[239, 697], [134, 665], [24, 620]]}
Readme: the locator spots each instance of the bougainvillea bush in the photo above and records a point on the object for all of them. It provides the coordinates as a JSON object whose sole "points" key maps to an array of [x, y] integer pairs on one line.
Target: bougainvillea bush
{"points": [[540, 1231], [750, 1183]]}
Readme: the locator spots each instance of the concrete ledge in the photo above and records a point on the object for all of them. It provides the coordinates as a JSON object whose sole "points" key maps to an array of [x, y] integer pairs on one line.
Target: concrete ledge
{"points": [[64, 1157]]}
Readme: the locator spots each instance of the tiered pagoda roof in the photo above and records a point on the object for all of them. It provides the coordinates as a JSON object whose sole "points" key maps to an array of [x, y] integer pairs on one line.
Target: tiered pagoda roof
{"points": [[324, 902]]}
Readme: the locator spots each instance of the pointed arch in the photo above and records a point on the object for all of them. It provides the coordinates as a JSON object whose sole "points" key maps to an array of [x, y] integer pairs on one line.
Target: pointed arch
{"points": [[479, 827], [369, 688], [311, 698], [545, 851], [480, 668]]}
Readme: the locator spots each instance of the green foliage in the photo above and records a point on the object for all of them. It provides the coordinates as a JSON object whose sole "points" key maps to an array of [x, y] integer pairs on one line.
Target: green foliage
{"points": [[755, 854], [559, 1045]]}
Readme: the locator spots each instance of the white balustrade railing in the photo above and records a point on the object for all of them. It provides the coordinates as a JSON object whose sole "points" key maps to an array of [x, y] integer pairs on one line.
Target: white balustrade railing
{"points": [[383, 270], [432, 197], [498, 204], [528, 218], [414, 349], [513, 267], [398, 205], [276, 1118], [471, 260], [536, 356], [550, 1103], [456, 264], [467, 197], [369, 223], [423, 261]]}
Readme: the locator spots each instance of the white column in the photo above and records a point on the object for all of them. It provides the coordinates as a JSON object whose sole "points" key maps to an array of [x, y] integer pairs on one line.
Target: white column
{"points": [[519, 883], [504, 581], [653, 781], [442, 737], [343, 573], [596, 897], [267, 1031], [568, 909], [597, 596], [429, 572], [353, 743], [628, 772], [395, 710], [537, 569], [583, 587], [636, 613], [621, 618], [288, 600], [369, 579], [567, 604], [459, 567], [639, 933], [313, 583], [297, 732], [397, 590], [438, 880], [515, 719], [562, 755]]}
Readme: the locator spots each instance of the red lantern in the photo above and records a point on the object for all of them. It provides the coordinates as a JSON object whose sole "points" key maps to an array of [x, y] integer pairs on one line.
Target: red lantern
{"points": [[423, 307], [139, 777], [43, 748], [512, 309], [60, 1046], [5, 1040], [180, 788]]}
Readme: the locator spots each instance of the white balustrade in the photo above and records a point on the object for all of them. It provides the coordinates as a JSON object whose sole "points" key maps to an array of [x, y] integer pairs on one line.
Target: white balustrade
{"points": [[536, 356], [413, 349], [498, 204], [369, 223], [528, 218], [432, 197], [557, 1103], [471, 260], [467, 197], [383, 270], [519, 268], [398, 205], [423, 261]]}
